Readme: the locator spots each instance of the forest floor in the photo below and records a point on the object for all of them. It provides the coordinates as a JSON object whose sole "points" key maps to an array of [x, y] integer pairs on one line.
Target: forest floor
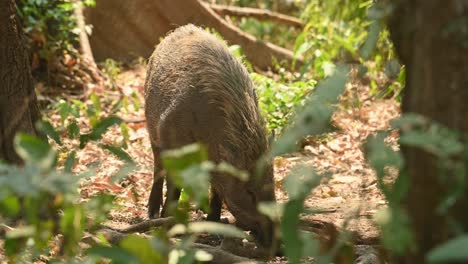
{"points": [[349, 198]]}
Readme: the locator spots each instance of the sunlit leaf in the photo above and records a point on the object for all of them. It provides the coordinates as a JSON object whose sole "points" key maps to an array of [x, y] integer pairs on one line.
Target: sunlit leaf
{"points": [[451, 251], [142, 249], [117, 255], [34, 150], [216, 228]]}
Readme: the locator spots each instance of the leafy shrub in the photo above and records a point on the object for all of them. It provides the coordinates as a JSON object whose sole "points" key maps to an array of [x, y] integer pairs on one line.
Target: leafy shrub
{"points": [[51, 24], [343, 31], [45, 200], [278, 100]]}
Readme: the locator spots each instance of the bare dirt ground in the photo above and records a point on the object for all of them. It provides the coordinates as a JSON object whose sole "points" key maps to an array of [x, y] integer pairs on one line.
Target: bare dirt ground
{"points": [[350, 195]]}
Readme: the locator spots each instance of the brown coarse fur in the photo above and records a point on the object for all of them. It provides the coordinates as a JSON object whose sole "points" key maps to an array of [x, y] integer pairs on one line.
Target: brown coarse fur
{"points": [[197, 91]]}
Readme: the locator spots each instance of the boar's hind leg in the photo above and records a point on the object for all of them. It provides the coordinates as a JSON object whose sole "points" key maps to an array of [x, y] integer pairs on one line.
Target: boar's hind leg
{"points": [[155, 198], [215, 206], [172, 196]]}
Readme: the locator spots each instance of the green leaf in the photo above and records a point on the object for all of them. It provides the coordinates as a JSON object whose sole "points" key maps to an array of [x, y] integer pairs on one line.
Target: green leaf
{"points": [[96, 103], [118, 151], [224, 167], [392, 69], [194, 180], [328, 68], [99, 129], [20, 232], [311, 244], [123, 172], [46, 128], [298, 185], [125, 132], [289, 229], [142, 249], [65, 110], [216, 228], [380, 155], [451, 251], [35, 151], [395, 227], [418, 131], [117, 255], [181, 158], [236, 50], [371, 42], [69, 161], [304, 47], [71, 225], [203, 256], [314, 117], [10, 205], [271, 209], [300, 182], [73, 129]]}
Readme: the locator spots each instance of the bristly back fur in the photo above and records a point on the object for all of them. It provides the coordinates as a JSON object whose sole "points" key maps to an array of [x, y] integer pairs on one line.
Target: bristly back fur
{"points": [[191, 60]]}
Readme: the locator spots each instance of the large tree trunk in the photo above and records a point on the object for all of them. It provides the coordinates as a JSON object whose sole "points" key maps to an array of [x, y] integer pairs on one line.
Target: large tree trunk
{"points": [[125, 29], [18, 105], [430, 37]]}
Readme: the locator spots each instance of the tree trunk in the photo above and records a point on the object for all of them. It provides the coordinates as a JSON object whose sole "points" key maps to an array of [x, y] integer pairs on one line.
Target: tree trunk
{"points": [[125, 29], [18, 104], [430, 37]]}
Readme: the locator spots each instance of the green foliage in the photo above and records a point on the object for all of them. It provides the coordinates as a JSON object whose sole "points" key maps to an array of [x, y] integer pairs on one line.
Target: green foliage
{"points": [[98, 129], [298, 186], [190, 170], [312, 118], [46, 201], [111, 68], [449, 150], [51, 23], [277, 100], [334, 34], [45, 198], [452, 251]]}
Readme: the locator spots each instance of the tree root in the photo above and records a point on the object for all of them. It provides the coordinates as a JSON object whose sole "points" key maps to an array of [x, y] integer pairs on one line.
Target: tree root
{"points": [[259, 14], [141, 23], [146, 225]]}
